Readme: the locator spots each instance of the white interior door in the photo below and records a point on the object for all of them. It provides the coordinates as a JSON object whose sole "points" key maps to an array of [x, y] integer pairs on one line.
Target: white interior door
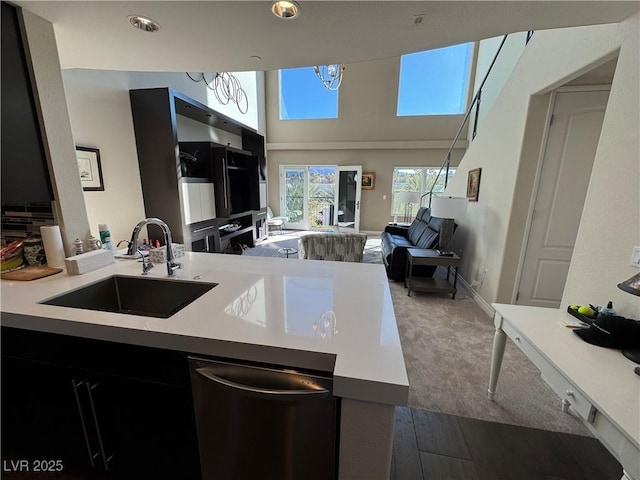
{"points": [[348, 198], [572, 141]]}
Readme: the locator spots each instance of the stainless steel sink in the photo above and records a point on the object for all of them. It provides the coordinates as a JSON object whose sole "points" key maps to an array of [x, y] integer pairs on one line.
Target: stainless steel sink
{"points": [[149, 297]]}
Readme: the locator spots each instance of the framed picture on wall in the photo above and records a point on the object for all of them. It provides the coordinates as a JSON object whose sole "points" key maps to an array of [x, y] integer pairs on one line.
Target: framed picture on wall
{"points": [[473, 184], [368, 181], [89, 168]]}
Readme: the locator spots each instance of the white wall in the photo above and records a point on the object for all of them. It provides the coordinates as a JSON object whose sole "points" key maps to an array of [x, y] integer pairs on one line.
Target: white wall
{"points": [[50, 96], [610, 224], [505, 63], [367, 105], [367, 132], [100, 111], [494, 226]]}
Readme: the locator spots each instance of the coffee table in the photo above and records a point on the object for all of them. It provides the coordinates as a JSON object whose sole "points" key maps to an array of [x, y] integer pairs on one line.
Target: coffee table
{"points": [[287, 251], [429, 257]]}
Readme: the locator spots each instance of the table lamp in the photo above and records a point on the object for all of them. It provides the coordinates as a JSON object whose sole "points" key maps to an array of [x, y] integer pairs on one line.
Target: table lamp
{"points": [[447, 208], [408, 199], [632, 286]]}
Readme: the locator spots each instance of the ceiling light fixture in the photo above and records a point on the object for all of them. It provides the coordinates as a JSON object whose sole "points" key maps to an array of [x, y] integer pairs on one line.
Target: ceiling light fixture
{"points": [[226, 87], [330, 75], [144, 23], [285, 9]]}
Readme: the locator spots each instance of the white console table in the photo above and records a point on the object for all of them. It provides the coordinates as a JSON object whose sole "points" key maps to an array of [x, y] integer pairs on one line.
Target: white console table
{"points": [[598, 384]]}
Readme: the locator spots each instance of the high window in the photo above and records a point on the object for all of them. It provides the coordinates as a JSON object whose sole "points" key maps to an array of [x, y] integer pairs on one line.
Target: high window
{"points": [[418, 180], [434, 82], [302, 96]]}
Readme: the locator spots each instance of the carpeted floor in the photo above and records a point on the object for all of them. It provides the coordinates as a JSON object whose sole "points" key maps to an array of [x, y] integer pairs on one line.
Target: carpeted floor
{"points": [[447, 350]]}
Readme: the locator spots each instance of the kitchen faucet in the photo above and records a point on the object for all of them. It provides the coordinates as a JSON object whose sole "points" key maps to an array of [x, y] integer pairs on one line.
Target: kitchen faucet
{"points": [[133, 245]]}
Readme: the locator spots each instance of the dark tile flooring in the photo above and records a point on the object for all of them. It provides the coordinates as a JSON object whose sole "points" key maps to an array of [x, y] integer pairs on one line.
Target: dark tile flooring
{"points": [[434, 446]]}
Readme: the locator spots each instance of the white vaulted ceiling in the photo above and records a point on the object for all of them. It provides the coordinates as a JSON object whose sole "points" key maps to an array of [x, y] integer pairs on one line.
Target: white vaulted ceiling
{"points": [[225, 35]]}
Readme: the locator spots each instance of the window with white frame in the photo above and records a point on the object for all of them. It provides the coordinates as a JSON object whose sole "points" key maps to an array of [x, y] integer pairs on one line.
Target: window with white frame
{"points": [[415, 180]]}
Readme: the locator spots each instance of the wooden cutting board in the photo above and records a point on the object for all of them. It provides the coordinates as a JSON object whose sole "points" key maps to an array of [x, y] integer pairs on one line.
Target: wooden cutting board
{"points": [[30, 273]]}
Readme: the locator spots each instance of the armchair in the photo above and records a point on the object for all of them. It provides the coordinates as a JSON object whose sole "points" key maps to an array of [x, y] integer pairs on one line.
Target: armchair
{"points": [[342, 247], [276, 222]]}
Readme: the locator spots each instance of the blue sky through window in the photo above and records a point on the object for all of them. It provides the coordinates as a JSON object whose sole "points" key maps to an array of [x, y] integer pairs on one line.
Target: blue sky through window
{"points": [[302, 96], [434, 82]]}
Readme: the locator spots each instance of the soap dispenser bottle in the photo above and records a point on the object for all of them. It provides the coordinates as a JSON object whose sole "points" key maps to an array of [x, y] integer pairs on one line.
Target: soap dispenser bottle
{"points": [[105, 236], [608, 310]]}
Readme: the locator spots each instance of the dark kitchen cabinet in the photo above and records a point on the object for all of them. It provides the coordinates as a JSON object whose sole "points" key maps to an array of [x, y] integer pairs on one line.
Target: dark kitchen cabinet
{"points": [[106, 410], [40, 417]]}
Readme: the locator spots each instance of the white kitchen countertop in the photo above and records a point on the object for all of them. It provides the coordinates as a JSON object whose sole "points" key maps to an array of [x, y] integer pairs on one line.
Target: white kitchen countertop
{"points": [[263, 310]]}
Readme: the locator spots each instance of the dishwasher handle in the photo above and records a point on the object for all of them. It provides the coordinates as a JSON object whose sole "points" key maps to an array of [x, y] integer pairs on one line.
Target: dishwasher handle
{"points": [[274, 394]]}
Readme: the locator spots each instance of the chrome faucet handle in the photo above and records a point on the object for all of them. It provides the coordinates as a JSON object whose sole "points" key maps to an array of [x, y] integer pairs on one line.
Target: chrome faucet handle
{"points": [[172, 266], [146, 263], [146, 267]]}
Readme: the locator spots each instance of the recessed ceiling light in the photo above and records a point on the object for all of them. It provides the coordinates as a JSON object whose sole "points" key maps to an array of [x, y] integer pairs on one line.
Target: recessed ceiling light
{"points": [[285, 9], [144, 23]]}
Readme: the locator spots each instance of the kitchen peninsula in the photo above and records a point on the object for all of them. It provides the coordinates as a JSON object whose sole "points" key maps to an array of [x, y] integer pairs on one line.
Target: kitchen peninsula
{"points": [[328, 317]]}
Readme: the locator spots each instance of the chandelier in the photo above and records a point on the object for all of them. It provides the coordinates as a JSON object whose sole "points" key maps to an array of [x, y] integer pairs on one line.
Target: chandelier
{"points": [[226, 87], [330, 75]]}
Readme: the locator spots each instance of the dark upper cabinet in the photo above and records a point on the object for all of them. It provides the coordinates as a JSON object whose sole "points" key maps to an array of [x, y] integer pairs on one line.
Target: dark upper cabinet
{"points": [[255, 143], [25, 175], [239, 173], [196, 160], [163, 161], [234, 172]]}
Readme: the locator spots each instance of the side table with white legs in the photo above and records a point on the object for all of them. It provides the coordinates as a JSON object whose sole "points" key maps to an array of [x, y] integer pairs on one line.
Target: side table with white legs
{"points": [[597, 384]]}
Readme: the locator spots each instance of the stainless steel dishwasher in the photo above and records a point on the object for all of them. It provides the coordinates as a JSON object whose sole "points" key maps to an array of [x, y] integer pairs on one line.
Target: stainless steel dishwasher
{"points": [[261, 422]]}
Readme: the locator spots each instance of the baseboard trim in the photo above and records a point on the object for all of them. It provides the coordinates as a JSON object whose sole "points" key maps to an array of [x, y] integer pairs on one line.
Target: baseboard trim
{"points": [[486, 308]]}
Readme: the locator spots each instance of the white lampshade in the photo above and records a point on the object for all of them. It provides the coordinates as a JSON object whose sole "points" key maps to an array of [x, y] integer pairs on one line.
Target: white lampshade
{"points": [[448, 207], [408, 197]]}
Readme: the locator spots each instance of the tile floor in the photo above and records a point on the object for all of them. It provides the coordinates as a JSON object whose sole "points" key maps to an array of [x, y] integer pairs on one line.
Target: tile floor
{"points": [[434, 446]]}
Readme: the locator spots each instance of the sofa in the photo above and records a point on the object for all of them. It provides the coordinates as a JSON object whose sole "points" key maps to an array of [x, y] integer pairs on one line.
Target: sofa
{"points": [[341, 247], [423, 232]]}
